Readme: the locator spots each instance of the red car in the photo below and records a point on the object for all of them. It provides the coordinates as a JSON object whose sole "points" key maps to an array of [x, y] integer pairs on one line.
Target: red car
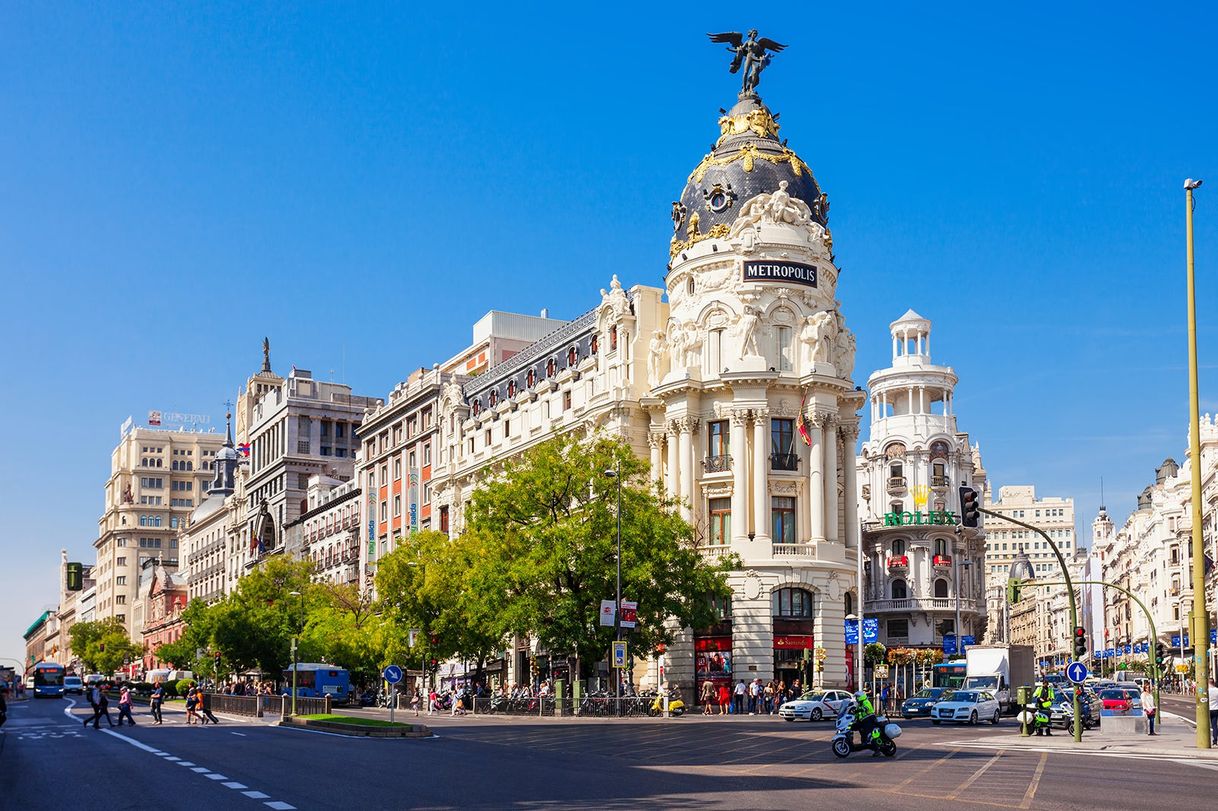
{"points": [[1116, 700]]}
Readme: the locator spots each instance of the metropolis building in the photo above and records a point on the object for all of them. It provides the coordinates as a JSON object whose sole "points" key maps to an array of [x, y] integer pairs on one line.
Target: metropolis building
{"points": [[735, 381]]}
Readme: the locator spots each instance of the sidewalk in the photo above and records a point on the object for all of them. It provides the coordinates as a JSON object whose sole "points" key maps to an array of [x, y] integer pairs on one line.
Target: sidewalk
{"points": [[1174, 739]]}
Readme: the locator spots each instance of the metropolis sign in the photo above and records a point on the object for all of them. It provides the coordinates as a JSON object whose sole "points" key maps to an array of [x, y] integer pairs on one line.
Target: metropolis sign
{"points": [[766, 270]]}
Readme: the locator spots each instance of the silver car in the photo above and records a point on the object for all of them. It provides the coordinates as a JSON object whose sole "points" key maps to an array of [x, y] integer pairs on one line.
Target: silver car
{"points": [[815, 705]]}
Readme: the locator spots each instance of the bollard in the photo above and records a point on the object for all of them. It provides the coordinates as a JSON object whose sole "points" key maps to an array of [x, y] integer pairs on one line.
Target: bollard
{"points": [[575, 695], [1022, 698], [559, 690], [327, 704]]}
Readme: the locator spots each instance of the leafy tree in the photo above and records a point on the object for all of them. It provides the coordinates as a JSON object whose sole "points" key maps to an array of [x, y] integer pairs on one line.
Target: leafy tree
{"points": [[252, 628], [415, 589], [198, 624], [344, 628], [546, 529], [103, 645]]}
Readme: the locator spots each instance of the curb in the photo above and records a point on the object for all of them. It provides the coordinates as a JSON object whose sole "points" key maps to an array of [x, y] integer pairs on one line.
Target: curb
{"points": [[409, 731]]}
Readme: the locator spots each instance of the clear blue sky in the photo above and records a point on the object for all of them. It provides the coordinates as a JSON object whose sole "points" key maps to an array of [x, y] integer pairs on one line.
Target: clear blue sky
{"points": [[362, 183]]}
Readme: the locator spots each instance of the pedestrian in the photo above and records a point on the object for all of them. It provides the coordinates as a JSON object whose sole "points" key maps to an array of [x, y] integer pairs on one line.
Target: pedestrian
{"points": [[191, 706], [754, 695], [158, 695], [205, 707], [725, 698], [124, 706], [769, 697], [738, 698], [1148, 707], [885, 696], [1212, 694], [707, 697], [101, 707]]}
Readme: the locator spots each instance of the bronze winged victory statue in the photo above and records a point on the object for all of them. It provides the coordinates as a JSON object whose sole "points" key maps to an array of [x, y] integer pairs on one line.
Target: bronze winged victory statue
{"points": [[751, 54]]}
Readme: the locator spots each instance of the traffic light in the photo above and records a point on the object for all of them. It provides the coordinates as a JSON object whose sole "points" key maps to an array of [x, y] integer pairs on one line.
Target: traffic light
{"points": [[970, 507], [1080, 642], [1160, 655], [75, 576], [217, 661], [1014, 590]]}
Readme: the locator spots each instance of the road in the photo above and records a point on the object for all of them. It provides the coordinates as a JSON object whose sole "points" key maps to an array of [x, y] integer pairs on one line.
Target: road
{"points": [[48, 759]]}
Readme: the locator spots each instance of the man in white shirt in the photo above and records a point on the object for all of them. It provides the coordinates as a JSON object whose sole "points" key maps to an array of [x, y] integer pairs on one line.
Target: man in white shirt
{"points": [[1148, 707]]}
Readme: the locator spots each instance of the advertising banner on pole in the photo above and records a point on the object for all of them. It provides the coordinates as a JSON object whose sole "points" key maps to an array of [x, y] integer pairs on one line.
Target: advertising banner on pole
{"points": [[607, 612], [630, 614]]}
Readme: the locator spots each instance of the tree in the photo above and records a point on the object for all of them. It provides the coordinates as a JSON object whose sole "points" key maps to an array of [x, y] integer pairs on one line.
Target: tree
{"points": [[343, 627], [415, 588], [252, 628], [543, 538], [84, 634]]}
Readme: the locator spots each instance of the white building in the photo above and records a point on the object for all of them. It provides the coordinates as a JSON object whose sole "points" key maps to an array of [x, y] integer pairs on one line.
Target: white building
{"points": [[923, 571]]}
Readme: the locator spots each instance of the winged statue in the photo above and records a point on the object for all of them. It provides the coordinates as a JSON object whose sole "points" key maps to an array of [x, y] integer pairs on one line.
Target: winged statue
{"points": [[751, 54]]}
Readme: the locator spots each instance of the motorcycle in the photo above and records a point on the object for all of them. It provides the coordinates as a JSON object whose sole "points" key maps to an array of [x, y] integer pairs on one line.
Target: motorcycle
{"points": [[843, 741], [676, 707]]}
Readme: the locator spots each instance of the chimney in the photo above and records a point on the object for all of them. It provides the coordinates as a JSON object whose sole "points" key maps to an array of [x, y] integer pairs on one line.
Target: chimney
{"points": [[545, 312]]}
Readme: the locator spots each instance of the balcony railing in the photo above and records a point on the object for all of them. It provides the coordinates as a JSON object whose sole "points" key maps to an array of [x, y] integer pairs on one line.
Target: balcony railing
{"points": [[715, 551], [784, 461], [794, 550], [941, 560], [938, 481], [717, 464], [896, 483], [924, 604]]}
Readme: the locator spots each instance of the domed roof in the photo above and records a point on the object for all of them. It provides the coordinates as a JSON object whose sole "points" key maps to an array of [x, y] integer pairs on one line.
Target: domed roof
{"points": [[747, 160]]}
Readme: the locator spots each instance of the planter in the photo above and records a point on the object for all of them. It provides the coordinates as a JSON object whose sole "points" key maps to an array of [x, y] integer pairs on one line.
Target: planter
{"points": [[362, 730]]}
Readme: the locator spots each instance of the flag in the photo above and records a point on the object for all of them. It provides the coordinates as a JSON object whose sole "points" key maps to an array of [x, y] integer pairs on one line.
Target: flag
{"points": [[244, 449], [801, 424]]}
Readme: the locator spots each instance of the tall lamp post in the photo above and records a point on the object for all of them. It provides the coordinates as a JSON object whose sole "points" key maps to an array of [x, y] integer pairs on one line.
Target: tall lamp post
{"points": [[1201, 617], [615, 472], [295, 662]]}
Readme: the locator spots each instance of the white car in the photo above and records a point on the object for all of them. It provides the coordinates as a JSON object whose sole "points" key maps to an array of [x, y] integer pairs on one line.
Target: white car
{"points": [[966, 706], [815, 705]]}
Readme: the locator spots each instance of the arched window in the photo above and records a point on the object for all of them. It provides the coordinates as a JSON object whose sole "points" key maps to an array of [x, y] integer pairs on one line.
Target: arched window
{"points": [[896, 471], [613, 339], [494, 397], [940, 546], [512, 388], [595, 344], [551, 367], [477, 408], [899, 590], [898, 547], [689, 286], [792, 603], [531, 378], [572, 356], [941, 587]]}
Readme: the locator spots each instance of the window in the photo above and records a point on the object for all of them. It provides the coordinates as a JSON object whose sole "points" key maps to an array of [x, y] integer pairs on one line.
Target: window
{"points": [[896, 472], [899, 590], [121, 580], [384, 510], [397, 469], [488, 438], [531, 378], [898, 547], [121, 562], [340, 430], [898, 628], [782, 517], [718, 439], [566, 400], [507, 428], [792, 603], [941, 588], [551, 367], [941, 546], [572, 356], [782, 436], [613, 339], [426, 492], [397, 506], [152, 484], [720, 521], [444, 519], [783, 335], [427, 454], [939, 474], [411, 460]]}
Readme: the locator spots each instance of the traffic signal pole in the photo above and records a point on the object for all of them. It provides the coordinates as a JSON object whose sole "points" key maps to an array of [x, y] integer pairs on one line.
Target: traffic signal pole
{"points": [[1078, 719]]}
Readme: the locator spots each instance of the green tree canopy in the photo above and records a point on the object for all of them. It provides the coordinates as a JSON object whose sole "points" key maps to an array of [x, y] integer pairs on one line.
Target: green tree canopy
{"points": [[103, 645]]}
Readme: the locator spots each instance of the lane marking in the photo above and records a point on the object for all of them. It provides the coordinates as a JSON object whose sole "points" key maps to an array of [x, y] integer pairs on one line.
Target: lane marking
{"points": [[185, 763], [279, 805], [256, 795], [976, 775], [214, 776], [233, 784], [1031, 792], [201, 769], [242, 734]]}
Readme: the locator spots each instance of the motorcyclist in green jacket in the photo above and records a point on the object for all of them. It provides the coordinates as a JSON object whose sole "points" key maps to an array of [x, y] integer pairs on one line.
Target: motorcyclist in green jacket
{"points": [[865, 721], [1043, 699]]}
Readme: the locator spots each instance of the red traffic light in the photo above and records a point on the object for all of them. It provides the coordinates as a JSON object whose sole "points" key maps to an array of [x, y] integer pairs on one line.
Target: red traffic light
{"points": [[1080, 632]]}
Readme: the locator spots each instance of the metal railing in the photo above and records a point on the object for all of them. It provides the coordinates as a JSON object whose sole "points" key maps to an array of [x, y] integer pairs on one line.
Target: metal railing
{"points": [[784, 461], [249, 706], [717, 464], [305, 705], [793, 550], [596, 705]]}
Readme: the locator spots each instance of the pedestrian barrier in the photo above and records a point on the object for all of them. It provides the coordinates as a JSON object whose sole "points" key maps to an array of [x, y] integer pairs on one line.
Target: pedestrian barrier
{"points": [[591, 706], [305, 705], [249, 706]]}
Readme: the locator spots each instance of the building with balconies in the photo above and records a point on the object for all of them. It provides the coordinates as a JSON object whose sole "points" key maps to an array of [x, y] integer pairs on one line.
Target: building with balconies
{"points": [[923, 572]]}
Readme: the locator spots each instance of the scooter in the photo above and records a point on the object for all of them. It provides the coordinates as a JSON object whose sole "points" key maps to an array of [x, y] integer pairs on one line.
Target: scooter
{"points": [[843, 741], [676, 707]]}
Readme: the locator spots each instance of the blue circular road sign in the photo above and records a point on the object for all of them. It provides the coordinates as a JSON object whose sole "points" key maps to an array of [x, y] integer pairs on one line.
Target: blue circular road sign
{"points": [[392, 674], [1077, 672]]}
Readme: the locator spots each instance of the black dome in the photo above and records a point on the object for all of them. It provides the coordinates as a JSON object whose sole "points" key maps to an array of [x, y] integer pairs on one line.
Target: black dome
{"points": [[748, 159]]}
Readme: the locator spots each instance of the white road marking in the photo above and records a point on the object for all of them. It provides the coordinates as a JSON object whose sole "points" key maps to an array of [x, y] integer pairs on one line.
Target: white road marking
{"points": [[185, 763], [170, 757], [200, 769], [279, 805], [214, 776], [256, 795], [234, 785]]}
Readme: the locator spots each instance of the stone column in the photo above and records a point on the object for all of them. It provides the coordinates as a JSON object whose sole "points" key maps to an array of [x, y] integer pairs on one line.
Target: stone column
{"points": [[684, 457], [655, 441], [673, 473], [816, 478], [690, 461], [804, 505], [740, 502], [761, 475], [831, 501], [849, 435]]}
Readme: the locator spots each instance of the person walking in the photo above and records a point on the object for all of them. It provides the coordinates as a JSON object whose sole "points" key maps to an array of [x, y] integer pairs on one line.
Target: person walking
{"points": [[725, 698], [191, 706], [707, 697], [738, 698], [101, 707], [1148, 707], [124, 706], [1212, 693], [205, 706], [158, 695]]}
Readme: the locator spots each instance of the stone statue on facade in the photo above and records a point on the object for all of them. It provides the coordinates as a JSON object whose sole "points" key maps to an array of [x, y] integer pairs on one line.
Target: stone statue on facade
{"points": [[747, 329], [619, 305], [692, 345], [452, 392], [655, 357], [776, 207], [843, 359], [819, 334], [749, 56]]}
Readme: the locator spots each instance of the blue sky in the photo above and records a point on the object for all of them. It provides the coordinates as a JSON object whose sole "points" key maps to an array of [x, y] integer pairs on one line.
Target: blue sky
{"points": [[362, 182]]}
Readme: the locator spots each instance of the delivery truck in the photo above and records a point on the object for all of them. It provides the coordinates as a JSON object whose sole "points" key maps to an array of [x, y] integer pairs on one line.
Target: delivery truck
{"points": [[1000, 669]]}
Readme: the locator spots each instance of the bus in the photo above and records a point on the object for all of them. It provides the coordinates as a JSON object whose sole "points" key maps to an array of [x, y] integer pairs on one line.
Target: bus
{"points": [[48, 680], [948, 674], [315, 679]]}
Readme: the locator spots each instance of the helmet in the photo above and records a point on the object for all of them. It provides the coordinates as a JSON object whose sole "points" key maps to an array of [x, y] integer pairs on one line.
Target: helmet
{"points": [[860, 695]]}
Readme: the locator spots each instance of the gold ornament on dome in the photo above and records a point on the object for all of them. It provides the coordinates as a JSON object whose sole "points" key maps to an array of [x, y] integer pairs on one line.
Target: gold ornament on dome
{"points": [[676, 246], [758, 121], [749, 154]]}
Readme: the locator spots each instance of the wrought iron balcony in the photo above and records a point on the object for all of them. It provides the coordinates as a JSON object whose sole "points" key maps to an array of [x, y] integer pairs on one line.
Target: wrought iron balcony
{"points": [[938, 481], [717, 464], [784, 461]]}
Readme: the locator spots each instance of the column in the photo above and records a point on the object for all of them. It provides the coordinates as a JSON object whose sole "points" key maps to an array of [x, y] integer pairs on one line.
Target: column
{"points": [[685, 455], [831, 502], [655, 441], [691, 461], [850, 435], [816, 478], [740, 502], [673, 472], [761, 474], [804, 499]]}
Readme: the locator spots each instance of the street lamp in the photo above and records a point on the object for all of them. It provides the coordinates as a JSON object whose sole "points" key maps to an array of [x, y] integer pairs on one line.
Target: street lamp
{"points": [[295, 663], [1201, 617], [615, 472]]}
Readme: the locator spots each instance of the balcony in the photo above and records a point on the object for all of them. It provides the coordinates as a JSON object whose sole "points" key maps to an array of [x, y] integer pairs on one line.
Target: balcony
{"points": [[793, 550], [941, 561], [896, 484], [717, 464], [922, 604], [715, 551], [938, 481], [898, 562], [784, 461]]}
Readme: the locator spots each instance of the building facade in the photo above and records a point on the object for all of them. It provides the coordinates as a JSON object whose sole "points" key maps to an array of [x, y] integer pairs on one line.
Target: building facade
{"points": [[213, 527], [157, 477], [923, 571], [711, 379], [162, 598], [328, 532]]}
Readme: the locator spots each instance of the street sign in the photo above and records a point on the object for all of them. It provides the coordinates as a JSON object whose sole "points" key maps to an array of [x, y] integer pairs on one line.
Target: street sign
{"points": [[1077, 672], [392, 674], [619, 654]]}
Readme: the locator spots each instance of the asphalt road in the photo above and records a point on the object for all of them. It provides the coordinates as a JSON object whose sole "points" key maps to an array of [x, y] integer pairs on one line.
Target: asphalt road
{"points": [[47, 759]]}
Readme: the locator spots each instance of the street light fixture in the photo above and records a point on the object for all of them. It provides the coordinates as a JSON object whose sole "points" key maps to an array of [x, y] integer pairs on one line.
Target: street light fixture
{"points": [[615, 472], [295, 662]]}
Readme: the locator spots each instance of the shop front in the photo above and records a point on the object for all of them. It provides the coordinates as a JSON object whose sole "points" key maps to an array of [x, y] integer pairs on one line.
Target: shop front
{"points": [[713, 663]]}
